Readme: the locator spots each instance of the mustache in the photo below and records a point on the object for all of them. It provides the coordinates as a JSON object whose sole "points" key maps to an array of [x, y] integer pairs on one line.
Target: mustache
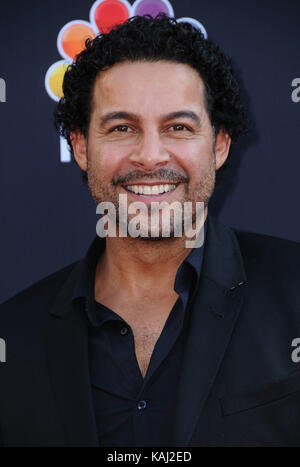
{"points": [[162, 174]]}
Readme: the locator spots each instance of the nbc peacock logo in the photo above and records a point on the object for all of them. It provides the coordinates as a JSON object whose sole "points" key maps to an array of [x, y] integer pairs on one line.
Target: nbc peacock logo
{"points": [[103, 16]]}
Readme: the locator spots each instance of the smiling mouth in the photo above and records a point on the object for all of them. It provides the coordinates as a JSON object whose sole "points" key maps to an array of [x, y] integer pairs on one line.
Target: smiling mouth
{"points": [[148, 190]]}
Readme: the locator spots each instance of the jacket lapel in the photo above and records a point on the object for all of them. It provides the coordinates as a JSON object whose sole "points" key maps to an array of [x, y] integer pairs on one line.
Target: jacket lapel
{"points": [[213, 315], [69, 367]]}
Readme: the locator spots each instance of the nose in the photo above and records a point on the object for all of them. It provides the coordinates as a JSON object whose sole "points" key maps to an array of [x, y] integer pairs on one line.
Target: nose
{"points": [[150, 153]]}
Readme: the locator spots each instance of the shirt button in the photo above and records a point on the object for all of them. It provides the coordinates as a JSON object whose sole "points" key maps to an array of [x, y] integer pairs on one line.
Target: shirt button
{"points": [[141, 405], [124, 331]]}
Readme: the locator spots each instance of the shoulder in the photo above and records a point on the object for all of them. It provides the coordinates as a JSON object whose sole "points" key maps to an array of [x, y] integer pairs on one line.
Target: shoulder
{"points": [[37, 297], [271, 264], [267, 248]]}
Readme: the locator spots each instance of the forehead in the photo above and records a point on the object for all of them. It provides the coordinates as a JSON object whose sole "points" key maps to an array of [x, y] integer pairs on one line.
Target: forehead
{"points": [[148, 87]]}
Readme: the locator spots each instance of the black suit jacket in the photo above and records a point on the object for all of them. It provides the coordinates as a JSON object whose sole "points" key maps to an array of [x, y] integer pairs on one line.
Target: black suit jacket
{"points": [[239, 385]]}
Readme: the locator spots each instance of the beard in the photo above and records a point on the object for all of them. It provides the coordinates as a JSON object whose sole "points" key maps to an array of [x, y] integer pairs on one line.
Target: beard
{"points": [[199, 193]]}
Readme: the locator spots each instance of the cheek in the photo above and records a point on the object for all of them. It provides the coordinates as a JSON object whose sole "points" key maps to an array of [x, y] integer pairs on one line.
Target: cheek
{"points": [[109, 159], [192, 156]]}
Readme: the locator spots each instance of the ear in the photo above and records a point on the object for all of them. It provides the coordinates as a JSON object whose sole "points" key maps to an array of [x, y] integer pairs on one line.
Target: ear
{"points": [[79, 144], [222, 146]]}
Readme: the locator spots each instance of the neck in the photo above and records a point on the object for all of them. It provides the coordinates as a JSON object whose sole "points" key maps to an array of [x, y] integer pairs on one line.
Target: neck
{"points": [[140, 266]]}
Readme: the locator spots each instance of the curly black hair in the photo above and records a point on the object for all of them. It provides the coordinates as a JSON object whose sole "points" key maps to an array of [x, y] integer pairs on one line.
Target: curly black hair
{"points": [[152, 39]]}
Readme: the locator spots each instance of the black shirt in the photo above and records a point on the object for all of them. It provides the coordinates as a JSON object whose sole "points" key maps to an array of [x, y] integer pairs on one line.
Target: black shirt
{"points": [[131, 410]]}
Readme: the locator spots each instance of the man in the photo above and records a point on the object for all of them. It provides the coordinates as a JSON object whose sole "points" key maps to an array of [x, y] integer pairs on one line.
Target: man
{"points": [[146, 342]]}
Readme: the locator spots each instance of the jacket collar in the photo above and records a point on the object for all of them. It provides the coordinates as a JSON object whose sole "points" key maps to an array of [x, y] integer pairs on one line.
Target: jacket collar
{"points": [[223, 262]]}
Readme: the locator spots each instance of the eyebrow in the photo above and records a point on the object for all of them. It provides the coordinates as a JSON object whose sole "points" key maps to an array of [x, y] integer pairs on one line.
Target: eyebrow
{"points": [[122, 115], [189, 114], [118, 116]]}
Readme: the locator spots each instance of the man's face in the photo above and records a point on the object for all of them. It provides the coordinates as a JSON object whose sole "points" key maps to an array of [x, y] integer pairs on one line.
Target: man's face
{"points": [[149, 127]]}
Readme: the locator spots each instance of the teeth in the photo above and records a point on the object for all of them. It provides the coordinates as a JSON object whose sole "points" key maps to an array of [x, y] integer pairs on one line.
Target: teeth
{"points": [[150, 190]]}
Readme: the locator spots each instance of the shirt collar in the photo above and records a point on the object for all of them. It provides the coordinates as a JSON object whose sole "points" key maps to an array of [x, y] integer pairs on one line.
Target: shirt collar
{"points": [[186, 279]]}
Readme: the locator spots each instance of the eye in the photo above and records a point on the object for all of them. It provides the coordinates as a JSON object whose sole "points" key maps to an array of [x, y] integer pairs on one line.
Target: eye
{"points": [[179, 127], [120, 129]]}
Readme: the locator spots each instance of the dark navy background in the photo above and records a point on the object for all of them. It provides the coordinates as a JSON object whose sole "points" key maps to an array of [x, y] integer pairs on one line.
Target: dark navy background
{"points": [[47, 216]]}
